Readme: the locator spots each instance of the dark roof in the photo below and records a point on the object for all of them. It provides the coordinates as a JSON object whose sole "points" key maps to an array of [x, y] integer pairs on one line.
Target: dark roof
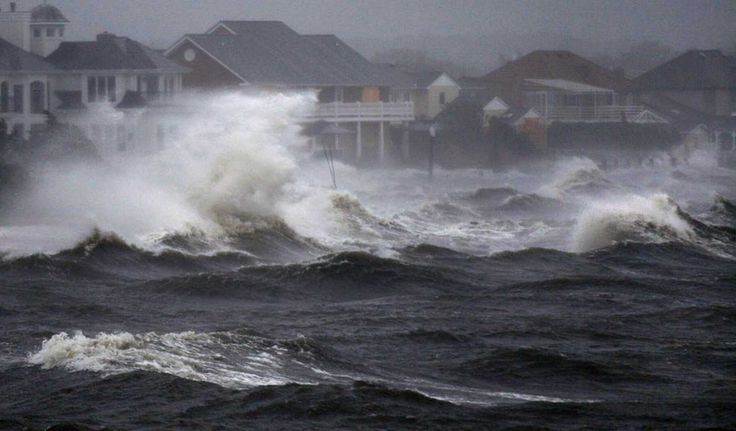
{"points": [[70, 100], [681, 117], [557, 65], [132, 99], [110, 52], [694, 70], [47, 13], [271, 53], [14, 59]]}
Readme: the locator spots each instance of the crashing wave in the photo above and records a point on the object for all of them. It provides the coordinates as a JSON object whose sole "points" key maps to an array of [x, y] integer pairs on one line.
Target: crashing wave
{"points": [[228, 359], [656, 218], [576, 176]]}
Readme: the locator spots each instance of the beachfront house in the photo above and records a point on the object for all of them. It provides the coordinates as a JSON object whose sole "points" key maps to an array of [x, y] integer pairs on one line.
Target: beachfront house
{"points": [[25, 82], [704, 80], [430, 92], [564, 87], [268, 55], [26, 79], [108, 84]]}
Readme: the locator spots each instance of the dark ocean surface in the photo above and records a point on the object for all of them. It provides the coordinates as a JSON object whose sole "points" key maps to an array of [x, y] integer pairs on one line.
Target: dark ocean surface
{"points": [[567, 299]]}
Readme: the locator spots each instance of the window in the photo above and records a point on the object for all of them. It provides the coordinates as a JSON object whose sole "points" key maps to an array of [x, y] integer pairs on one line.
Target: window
{"points": [[101, 89], [38, 97], [150, 87], [18, 98], [50, 32], [61, 31], [339, 94], [36, 32], [4, 97], [442, 98]]}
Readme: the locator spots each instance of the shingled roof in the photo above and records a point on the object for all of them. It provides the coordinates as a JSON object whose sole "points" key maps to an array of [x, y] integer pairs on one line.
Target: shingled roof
{"points": [[110, 52], [271, 53], [693, 70], [557, 65], [15, 59]]}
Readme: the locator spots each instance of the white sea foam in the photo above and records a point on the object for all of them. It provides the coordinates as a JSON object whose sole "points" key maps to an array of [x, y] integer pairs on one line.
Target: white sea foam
{"points": [[653, 218], [225, 359]]}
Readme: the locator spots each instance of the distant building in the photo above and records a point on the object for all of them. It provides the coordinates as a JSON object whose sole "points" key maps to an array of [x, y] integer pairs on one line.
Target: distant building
{"points": [[704, 80], [267, 55], [76, 77], [121, 73], [430, 92], [39, 31], [25, 82], [564, 87]]}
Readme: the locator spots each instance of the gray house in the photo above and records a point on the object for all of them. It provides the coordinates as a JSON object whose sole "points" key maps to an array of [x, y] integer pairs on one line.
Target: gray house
{"points": [[704, 80], [268, 55]]}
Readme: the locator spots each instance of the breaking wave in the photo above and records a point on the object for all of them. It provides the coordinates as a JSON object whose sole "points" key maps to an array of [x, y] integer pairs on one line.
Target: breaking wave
{"points": [[229, 359], [656, 219]]}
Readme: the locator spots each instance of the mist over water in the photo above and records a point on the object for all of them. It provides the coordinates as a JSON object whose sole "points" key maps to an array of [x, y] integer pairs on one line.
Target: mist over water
{"points": [[227, 265]]}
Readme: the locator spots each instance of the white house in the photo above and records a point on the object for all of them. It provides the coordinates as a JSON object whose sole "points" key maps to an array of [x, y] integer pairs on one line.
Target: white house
{"points": [[430, 92]]}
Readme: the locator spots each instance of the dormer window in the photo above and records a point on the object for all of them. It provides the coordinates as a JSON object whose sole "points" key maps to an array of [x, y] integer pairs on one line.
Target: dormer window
{"points": [[442, 98], [36, 32]]}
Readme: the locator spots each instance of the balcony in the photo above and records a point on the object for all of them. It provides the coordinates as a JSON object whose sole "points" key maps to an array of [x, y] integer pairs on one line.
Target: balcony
{"points": [[598, 114], [362, 112]]}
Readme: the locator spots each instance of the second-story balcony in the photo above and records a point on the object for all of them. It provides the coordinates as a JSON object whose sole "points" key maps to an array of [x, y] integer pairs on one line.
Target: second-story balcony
{"points": [[599, 114], [362, 112]]}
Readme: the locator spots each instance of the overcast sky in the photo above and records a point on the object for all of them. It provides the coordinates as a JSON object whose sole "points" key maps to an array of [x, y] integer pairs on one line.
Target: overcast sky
{"points": [[679, 23]]}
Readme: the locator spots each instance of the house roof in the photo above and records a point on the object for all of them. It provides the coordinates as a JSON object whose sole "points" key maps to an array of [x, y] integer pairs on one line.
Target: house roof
{"points": [[557, 65], [568, 86], [693, 70], [271, 53], [47, 13], [110, 52], [421, 80], [680, 116], [15, 59]]}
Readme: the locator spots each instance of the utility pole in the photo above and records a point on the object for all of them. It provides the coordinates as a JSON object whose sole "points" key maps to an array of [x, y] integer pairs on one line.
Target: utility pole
{"points": [[432, 139]]}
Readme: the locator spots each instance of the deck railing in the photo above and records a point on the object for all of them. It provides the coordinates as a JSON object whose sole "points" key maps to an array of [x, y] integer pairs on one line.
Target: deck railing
{"points": [[593, 114], [351, 112]]}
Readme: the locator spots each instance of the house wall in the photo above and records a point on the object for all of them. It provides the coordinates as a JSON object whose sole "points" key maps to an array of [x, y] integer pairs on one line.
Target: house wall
{"points": [[434, 106], [25, 119], [421, 102], [15, 28], [43, 44], [205, 72]]}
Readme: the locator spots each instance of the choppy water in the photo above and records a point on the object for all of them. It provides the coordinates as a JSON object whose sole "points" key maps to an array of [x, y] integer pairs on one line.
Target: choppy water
{"points": [[248, 295]]}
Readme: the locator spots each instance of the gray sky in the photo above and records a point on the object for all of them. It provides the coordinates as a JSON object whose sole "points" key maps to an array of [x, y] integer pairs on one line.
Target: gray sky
{"points": [[679, 23]]}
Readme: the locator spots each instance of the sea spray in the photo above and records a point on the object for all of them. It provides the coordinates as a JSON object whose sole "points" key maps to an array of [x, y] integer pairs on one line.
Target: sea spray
{"points": [[228, 167], [654, 218]]}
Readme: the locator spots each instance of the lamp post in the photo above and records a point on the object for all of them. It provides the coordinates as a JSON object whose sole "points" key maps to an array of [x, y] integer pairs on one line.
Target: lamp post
{"points": [[432, 140]]}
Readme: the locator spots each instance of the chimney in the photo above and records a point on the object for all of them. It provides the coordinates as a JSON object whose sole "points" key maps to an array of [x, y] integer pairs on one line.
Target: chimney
{"points": [[105, 37], [12, 6]]}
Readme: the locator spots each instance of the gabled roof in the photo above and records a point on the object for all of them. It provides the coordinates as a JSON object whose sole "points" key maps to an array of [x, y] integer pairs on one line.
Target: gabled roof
{"points": [[496, 104], [423, 80], [557, 65], [271, 53], [15, 59], [682, 117], [693, 70], [110, 52]]}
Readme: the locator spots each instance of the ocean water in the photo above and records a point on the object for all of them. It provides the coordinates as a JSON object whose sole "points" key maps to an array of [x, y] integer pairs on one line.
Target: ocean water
{"points": [[222, 284]]}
